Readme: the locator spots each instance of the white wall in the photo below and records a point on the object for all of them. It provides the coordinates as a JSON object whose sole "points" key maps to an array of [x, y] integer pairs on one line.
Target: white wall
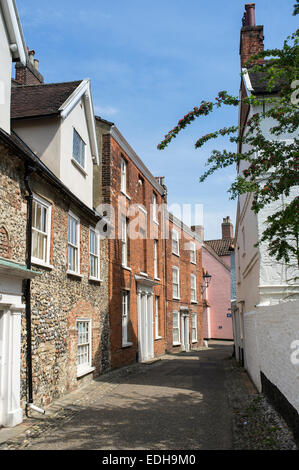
{"points": [[269, 332], [5, 77], [80, 183]]}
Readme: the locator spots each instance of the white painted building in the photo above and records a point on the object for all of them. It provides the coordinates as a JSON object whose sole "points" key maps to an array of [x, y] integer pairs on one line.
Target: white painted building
{"points": [[266, 312]]}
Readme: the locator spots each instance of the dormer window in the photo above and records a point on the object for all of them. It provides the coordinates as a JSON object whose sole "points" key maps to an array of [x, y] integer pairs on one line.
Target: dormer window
{"points": [[78, 149]]}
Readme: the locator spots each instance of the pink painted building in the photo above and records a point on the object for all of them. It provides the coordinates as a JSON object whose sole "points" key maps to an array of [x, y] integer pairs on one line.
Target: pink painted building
{"points": [[216, 256]]}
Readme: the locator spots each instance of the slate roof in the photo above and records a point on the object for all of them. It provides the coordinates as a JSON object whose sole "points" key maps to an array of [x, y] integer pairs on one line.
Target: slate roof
{"points": [[260, 83], [40, 100], [221, 247]]}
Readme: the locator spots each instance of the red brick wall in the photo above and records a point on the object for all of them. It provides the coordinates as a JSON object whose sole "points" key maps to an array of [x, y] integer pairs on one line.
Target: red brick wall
{"points": [[120, 278], [252, 42], [186, 269]]}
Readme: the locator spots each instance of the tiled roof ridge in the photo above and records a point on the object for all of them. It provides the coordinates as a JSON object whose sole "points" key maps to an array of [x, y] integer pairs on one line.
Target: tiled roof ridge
{"points": [[49, 84]]}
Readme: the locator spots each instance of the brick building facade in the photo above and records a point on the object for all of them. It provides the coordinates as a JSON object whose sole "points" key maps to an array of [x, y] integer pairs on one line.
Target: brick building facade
{"points": [[136, 249], [184, 311]]}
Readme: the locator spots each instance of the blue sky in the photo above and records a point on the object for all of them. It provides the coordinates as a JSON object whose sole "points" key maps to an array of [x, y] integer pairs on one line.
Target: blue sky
{"points": [[151, 62]]}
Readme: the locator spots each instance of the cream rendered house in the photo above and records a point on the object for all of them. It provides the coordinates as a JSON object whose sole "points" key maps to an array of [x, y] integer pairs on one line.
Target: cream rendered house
{"points": [[57, 122]]}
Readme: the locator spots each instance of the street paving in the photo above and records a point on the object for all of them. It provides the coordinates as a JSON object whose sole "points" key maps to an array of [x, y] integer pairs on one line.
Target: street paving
{"points": [[178, 403]]}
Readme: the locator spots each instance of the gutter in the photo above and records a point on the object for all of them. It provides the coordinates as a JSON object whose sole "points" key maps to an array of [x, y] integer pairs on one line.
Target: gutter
{"points": [[29, 405]]}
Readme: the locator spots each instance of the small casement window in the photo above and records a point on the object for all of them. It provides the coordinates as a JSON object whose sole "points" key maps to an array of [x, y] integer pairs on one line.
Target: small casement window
{"points": [[156, 271], [41, 230], [94, 255], [78, 149], [73, 244], [155, 212], [175, 282], [157, 318], [176, 328], [192, 253], [193, 288], [175, 243], [123, 176], [126, 330], [84, 353], [194, 327]]}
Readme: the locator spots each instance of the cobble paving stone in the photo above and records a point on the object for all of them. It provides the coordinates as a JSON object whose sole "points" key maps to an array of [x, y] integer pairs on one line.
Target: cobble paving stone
{"points": [[217, 408]]}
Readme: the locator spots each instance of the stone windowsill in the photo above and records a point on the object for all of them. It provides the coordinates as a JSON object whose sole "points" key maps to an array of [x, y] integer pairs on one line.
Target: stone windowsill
{"points": [[127, 345], [41, 264], [79, 167], [86, 371], [73, 274]]}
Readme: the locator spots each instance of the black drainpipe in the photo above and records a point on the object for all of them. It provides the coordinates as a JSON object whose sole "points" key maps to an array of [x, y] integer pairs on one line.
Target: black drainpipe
{"points": [[28, 170]]}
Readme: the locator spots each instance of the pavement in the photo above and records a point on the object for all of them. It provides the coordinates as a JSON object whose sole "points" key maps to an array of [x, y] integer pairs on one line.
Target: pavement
{"points": [[177, 403]]}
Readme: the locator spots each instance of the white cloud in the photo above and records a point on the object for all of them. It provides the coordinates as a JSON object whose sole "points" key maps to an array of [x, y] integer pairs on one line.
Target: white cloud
{"points": [[106, 110]]}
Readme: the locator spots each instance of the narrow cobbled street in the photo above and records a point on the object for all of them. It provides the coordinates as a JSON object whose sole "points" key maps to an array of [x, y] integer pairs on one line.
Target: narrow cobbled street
{"points": [[183, 401]]}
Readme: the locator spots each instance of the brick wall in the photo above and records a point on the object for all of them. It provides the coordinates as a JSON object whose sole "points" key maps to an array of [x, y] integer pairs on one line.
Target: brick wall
{"points": [[138, 250], [186, 269]]}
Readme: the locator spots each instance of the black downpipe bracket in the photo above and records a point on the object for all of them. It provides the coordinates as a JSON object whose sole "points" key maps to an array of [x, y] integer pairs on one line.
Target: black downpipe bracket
{"points": [[28, 171]]}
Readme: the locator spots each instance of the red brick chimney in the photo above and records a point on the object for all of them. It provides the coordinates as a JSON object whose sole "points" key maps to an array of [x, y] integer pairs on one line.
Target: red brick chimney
{"points": [[199, 230], [30, 74], [252, 36], [227, 228]]}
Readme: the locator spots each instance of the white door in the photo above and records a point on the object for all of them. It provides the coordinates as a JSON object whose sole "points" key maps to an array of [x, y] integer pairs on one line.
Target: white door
{"points": [[146, 334], [185, 332]]}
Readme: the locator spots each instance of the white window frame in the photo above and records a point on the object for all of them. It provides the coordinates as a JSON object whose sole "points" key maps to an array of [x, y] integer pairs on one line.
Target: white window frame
{"points": [[155, 212], [175, 238], [175, 268], [76, 247], [125, 312], [157, 317], [85, 368], [194, 327], [193, 253], [97, 255], [83, 146], [123, 175], [176, 343], [48, 206], [124, 242], [193, 288], [156, 266]]}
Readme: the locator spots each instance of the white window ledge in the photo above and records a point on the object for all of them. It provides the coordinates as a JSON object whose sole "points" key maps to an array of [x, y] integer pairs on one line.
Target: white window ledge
{"points": [[94, 279], [73, 274], [127, 345], [82, 372], [176, 298], [176, 344], [143, 274], [126, 267], [156, 222], [194, 302], [193, 262], [158, 338], [194, 341], [79, 167], [176, 254], [42, 264], [126, 195], [157, 279]]}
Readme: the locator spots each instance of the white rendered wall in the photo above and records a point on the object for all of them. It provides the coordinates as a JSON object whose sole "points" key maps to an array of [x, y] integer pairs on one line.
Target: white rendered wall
{"points": [[5, 77], [270, 332]]}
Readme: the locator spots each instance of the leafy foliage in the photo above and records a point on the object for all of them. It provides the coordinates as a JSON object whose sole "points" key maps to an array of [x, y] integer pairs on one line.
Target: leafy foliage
{"points": [[270, 164]]}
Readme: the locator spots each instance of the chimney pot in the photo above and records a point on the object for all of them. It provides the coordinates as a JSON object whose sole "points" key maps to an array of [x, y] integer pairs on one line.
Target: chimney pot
{"points": [[250, 14]]}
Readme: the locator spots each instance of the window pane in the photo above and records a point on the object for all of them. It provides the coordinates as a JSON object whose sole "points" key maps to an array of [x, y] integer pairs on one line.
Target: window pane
{"points": [[78, 149]]}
